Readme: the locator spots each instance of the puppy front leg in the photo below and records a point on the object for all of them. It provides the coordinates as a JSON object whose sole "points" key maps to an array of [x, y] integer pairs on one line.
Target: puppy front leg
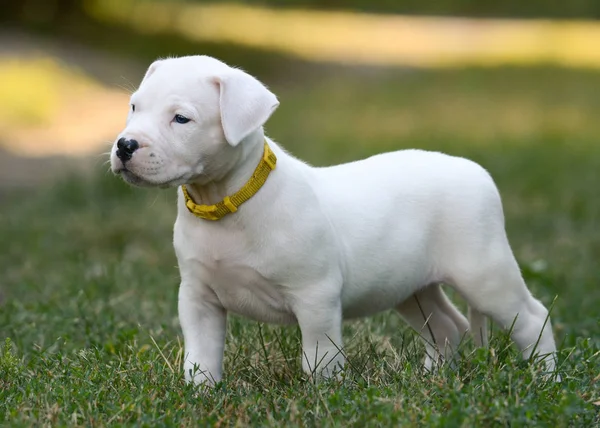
{"points": [[321, 327], [203, 323]]}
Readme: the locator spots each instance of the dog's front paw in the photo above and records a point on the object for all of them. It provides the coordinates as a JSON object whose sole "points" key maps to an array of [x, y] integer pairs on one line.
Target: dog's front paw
{"points": [[326, 367], [200, 376]]}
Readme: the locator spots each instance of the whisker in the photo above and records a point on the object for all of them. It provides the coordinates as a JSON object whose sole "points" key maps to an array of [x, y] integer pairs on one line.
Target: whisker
{"points": [[128, 86], [154, 201]]}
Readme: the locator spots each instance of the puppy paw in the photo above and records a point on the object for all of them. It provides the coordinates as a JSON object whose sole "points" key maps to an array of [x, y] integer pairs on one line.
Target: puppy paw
{"points": [[326, 367], [194, 374]]}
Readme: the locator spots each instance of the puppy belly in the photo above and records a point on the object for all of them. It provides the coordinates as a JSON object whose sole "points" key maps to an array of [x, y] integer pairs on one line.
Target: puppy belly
{"points": [[361, 303], [244, 291], [369, 292]]}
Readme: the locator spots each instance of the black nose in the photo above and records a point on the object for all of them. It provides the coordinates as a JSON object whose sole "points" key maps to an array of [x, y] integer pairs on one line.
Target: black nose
{"points": [[125, 148]]}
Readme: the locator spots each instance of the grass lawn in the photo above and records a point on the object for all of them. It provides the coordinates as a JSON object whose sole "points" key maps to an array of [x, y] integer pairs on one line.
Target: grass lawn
{"points": [[89, 279]]}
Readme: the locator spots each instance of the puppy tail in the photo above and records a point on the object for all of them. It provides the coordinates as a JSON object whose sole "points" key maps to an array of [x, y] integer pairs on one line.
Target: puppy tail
{"points": [[478, 323]]}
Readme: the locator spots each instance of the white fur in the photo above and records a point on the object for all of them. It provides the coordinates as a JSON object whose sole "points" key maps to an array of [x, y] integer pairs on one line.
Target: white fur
{"points": [[316, 245]]}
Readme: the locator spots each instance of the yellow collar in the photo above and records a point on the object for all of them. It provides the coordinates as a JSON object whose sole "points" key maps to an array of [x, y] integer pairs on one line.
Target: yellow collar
{"points": [[231, 203]]}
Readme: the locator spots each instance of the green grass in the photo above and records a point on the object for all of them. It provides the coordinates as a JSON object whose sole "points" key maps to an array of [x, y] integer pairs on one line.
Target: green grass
{"points": [[89, 279]]}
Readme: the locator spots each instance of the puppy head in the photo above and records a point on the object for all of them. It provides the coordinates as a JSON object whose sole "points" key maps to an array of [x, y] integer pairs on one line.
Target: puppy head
{"points": [[187, 122]]}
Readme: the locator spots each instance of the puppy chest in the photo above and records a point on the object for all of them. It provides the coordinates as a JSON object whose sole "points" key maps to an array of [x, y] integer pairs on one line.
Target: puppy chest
{"points": [[244, 291]]}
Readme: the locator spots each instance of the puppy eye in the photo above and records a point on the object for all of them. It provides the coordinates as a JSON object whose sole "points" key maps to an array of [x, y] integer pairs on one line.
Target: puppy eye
{"points": [[132, 107], [180, 119]]}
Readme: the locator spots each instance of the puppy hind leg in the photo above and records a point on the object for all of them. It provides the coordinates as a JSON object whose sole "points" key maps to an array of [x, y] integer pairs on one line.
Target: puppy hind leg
{"points": [[436, 319], [479, 330], [499, 292]]}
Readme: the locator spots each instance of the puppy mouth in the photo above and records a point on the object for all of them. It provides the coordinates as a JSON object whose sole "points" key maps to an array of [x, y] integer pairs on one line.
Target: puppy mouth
{"points": [[132, 178], [136, 180]]}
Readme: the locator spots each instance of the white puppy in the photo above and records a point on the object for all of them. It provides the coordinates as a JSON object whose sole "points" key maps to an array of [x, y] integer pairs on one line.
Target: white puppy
{"points": [[310, 245]]}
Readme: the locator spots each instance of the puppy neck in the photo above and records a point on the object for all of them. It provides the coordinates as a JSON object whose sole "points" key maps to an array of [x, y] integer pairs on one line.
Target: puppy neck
{"points": [[249, 153]]}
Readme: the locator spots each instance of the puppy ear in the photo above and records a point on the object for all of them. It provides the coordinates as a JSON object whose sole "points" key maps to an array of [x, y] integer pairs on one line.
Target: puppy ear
{"points": [[151, 69], [245, 104]]}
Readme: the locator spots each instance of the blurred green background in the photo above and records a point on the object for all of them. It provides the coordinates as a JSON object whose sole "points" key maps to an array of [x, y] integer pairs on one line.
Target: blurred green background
{"points": [[85, 257]]}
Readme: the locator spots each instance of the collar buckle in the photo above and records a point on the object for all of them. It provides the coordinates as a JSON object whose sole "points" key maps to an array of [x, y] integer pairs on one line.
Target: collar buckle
{"points": [[269, 158]]}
